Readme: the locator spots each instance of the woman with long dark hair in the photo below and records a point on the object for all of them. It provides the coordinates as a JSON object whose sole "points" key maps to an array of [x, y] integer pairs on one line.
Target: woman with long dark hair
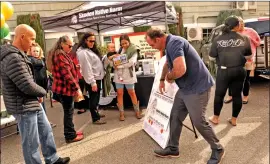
{"points": [[92, 71], [124, 75], [230, 50], [254, 43]]}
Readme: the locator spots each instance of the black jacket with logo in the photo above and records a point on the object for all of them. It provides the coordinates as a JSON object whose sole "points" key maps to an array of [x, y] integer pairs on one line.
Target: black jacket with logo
{"points": [[230, 49]]}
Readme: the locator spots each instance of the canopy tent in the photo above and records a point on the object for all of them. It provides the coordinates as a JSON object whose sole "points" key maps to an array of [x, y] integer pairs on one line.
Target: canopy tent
{"points": [[107, 16]]}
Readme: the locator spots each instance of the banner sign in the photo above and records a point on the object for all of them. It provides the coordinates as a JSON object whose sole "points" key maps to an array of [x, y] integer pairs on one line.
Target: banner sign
{"points": [[157, 117], [120, 9], [138, 39], [97, 14]]}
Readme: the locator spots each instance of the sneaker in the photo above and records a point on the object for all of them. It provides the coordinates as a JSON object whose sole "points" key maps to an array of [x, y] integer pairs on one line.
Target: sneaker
{"points": [[78, 138], [99, 122], [64, 160], [167, 152], [216, 156]]}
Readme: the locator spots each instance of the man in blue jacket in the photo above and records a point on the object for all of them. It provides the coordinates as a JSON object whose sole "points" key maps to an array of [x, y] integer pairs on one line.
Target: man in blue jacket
{"points": [[185, 67], [21, 94]]}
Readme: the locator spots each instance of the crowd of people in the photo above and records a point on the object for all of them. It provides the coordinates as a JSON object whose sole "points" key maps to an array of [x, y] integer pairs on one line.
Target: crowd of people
{"points": [[232, 50], [80, 70]]}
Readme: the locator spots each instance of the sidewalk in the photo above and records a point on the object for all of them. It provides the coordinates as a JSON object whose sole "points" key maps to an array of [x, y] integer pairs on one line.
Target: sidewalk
{"points": [[126, 143]]}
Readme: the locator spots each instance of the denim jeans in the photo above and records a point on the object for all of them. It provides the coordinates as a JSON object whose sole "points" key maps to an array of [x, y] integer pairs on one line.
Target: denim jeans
{"points": [[68, 106], [43, 105], [35, 129]]}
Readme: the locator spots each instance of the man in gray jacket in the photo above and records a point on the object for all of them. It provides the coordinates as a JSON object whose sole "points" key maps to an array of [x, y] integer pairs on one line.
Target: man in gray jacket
{"points": [[21, 94]]}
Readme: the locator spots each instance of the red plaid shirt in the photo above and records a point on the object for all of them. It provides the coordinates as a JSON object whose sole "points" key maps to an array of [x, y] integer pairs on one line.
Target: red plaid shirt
{"points": [[76, 62], [65, 77]]}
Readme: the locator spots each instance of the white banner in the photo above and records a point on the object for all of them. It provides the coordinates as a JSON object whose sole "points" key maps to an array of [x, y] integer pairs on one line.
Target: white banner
{"points": [[157, 117]]}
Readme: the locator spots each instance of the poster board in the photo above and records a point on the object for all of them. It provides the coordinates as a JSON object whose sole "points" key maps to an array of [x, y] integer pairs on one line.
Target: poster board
{"points": [[120, 60], [138, 39], [156, 121]]}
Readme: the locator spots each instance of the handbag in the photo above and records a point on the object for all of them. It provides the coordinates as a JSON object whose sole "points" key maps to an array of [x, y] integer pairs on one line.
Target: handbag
{"points": [[79, 97]]}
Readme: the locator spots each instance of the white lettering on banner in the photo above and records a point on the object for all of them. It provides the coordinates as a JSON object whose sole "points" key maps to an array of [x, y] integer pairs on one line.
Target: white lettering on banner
{"points": [[102, 11], [157, 117], [116, 11], [87, 14]]}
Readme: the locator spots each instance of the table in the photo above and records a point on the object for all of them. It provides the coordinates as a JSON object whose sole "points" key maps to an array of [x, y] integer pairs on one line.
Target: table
{"points": [[143, 89]]}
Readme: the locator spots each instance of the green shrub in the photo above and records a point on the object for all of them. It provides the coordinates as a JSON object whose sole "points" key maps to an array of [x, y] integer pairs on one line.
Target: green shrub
{"points": [[173, 27], [226, 13], [141, 28], [33, 20], [102, 49]]}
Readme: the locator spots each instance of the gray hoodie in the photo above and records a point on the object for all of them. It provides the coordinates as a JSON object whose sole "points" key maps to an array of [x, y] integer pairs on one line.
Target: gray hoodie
{"points": [[19, 89], [91, 66]]}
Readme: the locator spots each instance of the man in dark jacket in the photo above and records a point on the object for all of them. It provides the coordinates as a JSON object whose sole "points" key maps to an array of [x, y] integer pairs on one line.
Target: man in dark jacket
{"points": [[20, 94]]}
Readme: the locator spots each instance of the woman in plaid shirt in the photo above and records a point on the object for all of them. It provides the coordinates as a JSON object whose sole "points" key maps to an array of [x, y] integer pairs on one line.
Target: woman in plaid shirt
{"points": [[65, 84]]}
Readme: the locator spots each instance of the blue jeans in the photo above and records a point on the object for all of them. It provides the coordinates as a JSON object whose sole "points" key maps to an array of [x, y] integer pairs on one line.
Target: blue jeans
{"points": [[35, 128], [121, 86]]}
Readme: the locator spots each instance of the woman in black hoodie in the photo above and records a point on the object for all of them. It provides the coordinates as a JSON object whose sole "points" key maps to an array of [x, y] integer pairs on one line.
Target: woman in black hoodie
{"points": [[37, 59], [35, 55]]}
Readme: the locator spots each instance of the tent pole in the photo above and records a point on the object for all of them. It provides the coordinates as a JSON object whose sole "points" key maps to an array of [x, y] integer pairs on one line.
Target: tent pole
{"points": [[99, 36]]}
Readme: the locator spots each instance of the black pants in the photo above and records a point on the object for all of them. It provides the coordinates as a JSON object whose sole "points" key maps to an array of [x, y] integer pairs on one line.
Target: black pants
{"points": [[232, 78], [68, 106], [94, 100], [246, 85], [84, 104]]}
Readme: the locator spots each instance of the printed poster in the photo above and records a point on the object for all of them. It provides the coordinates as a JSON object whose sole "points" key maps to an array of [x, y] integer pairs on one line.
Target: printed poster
{"points": [[120, 59], [156, 122]]}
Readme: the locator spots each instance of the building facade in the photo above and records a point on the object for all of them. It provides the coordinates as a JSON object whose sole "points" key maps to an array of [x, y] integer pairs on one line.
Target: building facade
{"points": [[204, 14]]}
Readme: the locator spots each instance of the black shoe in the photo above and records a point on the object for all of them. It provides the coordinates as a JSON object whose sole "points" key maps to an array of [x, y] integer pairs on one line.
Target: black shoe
{"points": [[99, 122], [216, 156], [167, 152], [64, 160]]}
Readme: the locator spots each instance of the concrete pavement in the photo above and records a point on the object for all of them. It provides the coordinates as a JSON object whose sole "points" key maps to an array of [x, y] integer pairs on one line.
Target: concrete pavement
{"points": [[126, 142]]}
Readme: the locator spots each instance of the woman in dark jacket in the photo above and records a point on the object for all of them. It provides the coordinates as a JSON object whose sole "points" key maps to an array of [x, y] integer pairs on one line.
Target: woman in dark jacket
{"points": [[35, 54], [36, 57], [230, 50]]}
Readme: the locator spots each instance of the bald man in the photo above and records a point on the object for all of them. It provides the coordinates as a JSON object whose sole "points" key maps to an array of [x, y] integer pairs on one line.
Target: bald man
{"points": [[21, 94]]}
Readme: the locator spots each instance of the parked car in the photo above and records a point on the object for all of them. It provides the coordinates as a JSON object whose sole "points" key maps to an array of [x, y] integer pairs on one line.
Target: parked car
{"points": [[260, 25]]}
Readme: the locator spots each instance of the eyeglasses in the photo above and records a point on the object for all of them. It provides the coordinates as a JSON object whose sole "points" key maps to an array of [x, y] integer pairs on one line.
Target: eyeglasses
{"points": [[69, 46], [91, 41]]}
